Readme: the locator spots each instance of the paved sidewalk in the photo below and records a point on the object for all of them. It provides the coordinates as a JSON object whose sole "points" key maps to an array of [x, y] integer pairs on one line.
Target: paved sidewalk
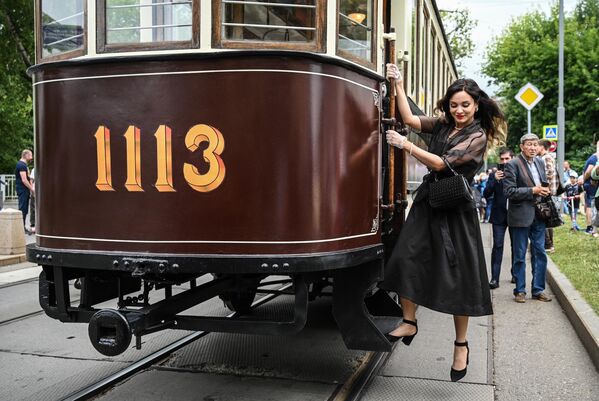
{"points": [[527, 352]]}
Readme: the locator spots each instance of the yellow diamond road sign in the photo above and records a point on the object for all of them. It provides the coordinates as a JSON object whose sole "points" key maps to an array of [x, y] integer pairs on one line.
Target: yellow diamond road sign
{"points": [[529, 96]]}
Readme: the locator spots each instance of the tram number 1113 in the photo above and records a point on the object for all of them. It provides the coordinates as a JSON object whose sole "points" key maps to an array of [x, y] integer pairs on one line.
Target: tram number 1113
{"points": [[164, 161]]}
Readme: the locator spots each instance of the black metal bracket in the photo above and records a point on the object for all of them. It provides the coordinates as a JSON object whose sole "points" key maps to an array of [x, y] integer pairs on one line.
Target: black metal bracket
{"points": [[360, 329]]}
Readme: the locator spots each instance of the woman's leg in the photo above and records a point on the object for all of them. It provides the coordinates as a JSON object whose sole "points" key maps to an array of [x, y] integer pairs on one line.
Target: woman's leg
{"points": [[460, 353], [409, 313]]}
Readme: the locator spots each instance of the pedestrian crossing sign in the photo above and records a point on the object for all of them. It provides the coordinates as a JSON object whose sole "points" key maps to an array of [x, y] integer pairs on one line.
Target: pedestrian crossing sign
{"points": [[550, 132]]}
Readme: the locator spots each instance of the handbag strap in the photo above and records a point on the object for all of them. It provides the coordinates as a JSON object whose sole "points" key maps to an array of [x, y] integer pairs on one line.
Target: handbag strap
{"points": [[449, 166], [524, 169]]}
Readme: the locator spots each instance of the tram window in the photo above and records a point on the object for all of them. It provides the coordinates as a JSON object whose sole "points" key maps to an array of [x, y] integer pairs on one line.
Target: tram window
{"points": [[62, 27], [270, 24], [146, 22], [356, 29]]}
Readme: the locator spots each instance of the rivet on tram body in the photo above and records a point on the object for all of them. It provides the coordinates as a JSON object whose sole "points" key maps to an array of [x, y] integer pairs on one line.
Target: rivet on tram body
{"points": [[38, 256], [285, 265], [49, 258], [264, 265], [115, 263], [44, 257], [275, 266], [127, 264], [161, 267], [175, 266]]}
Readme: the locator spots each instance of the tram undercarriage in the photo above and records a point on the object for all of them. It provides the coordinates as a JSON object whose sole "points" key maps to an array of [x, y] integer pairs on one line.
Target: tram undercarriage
{"points": [[361, 313]]}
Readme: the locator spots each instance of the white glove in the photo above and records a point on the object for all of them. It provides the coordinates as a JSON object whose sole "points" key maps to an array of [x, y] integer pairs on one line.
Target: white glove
{"points": [[394, 139], [393, 72]]}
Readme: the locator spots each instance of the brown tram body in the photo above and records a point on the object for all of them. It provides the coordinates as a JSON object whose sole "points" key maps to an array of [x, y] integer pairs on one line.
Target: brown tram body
{"points": [[156, 169]]}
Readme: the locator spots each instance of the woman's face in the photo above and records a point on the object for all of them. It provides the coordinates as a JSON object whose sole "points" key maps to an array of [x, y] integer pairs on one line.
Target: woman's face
{"points": [[462, 108]]}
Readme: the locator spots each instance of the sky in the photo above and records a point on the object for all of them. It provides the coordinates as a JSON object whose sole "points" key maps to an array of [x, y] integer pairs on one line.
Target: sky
{"points": [[493, 17]]}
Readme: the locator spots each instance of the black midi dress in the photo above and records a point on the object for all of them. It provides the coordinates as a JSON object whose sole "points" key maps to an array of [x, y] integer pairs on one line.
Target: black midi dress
{"points": [[438, 260]]}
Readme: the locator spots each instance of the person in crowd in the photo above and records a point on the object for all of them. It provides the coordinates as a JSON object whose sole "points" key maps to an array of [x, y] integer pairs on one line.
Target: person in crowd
{"points": [[524, 182], [595, 177], [572, 195], [552, 178], [32, 202], [438, 261], [498, 216], [23, 185], [566, 181], [482, 184], [566, 174], [477, 195], [590, 189], [490, 198]]}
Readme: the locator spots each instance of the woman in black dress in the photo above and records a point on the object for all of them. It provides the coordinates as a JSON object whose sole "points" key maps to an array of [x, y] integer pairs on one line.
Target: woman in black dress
{"points": [[438, 261]]}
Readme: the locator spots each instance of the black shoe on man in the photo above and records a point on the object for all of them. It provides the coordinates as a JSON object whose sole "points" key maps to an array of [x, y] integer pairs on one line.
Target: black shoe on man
{"points": [[493, 284]]}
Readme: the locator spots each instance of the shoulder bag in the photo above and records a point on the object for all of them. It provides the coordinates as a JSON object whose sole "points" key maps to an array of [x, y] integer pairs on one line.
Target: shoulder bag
{"points": [[450, 192]]}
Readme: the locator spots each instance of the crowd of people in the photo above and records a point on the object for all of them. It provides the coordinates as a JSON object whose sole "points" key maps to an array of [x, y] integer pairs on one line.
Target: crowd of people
{"points": [[576, 200]]}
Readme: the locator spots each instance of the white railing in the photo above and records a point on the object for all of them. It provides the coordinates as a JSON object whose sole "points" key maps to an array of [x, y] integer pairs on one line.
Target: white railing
{"points": [[8, 188]]}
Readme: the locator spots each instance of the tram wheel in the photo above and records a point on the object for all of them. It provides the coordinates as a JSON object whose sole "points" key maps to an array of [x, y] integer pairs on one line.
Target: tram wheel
{"points": [[240, 302]]}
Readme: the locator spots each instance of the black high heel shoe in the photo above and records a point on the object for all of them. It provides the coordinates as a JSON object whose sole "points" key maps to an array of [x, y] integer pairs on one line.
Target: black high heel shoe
{"points": [[407, 340], [459, 374]]}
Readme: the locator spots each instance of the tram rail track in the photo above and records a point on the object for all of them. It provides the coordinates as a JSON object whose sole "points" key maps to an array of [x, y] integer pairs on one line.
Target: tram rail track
{"points": [[112, 380], [351, 390]]}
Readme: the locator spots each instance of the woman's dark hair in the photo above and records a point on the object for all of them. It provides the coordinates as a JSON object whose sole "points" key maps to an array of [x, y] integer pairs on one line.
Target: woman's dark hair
{"points": [[492, 119]]}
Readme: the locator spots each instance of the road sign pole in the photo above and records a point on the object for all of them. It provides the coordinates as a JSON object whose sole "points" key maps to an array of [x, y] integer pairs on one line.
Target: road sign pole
{"points": [[529, 121], [561, 112]]}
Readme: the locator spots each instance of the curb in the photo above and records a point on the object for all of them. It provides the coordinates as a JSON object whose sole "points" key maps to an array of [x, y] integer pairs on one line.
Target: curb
{"points": [[12, 259], [584, 320]]}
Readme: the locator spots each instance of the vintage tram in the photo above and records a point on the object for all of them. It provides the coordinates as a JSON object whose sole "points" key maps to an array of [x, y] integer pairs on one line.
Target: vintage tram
{"points": [[237, 139]]}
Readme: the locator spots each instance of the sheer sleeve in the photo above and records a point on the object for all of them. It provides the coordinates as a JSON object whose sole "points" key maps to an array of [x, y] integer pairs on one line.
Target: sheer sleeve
{"points": [[469, 150], [425, 134]]}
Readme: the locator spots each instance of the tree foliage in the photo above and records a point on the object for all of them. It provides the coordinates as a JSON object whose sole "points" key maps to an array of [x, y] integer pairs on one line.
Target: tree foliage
{"points": [[458, 28], [527, 51], [16, 55]]}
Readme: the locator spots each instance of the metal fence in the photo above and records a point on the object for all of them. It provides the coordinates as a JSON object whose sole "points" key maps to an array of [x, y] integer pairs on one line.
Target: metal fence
{"points": [[7, 190]]}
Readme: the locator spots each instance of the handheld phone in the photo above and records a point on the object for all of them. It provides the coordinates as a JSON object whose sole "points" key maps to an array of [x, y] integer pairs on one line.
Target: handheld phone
{"points": [[501, 167]]}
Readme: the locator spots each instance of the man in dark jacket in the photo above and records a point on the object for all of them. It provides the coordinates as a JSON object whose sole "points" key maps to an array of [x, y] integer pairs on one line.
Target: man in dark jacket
{"points": [[498, 218], [524, 182]]}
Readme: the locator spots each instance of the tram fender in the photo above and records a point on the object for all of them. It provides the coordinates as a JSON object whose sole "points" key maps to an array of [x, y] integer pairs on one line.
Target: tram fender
{"points": [[360, 329]]}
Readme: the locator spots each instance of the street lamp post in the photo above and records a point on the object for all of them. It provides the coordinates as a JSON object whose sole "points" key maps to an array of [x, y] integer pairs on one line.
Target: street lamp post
{"points": [[560, 103]]}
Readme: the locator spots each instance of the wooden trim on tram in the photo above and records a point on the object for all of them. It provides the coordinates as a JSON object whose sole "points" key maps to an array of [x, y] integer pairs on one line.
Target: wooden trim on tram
{"points": [[103, 47], [358, 60], [319, 44], [39, 34]]}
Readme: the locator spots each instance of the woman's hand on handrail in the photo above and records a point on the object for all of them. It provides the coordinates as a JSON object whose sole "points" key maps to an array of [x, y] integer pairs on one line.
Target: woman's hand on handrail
{"points": [[401, 99]]}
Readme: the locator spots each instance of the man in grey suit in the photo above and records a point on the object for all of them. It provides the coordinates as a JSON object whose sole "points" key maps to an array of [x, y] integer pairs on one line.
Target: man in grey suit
{"points": [[525, 181]]}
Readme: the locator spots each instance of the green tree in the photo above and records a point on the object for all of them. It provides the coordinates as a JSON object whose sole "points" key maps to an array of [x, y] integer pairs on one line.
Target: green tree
{"points": [[527, 51], [16, 55], [458, 28]]}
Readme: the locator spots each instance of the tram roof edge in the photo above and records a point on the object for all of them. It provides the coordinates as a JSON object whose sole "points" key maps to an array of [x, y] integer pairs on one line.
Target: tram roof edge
{"points": [[212, 55]]}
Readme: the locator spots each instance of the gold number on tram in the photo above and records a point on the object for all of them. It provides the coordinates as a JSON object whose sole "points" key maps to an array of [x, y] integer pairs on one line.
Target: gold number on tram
{"points": [[164, 159], [133, 183], [216, 144], [104, 182]]}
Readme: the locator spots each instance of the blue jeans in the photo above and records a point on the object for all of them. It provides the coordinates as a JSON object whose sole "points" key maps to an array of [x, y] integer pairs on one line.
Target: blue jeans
{"points": [[520, 237], [497, 252]]}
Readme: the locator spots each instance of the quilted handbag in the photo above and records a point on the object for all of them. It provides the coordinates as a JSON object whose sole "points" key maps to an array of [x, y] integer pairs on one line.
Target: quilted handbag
{"points": [[450, 192]]}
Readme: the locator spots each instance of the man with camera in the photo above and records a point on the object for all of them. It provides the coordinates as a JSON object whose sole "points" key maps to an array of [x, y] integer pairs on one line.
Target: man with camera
{"points": [[498, 217], [524, 183]]}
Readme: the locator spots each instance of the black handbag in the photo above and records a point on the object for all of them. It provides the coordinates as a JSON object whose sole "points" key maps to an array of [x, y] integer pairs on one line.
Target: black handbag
{"points": [[450, 192], [545, 210]]}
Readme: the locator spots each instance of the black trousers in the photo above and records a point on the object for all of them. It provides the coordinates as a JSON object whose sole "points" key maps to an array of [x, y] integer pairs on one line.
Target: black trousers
{"points": [[23, 203]]}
